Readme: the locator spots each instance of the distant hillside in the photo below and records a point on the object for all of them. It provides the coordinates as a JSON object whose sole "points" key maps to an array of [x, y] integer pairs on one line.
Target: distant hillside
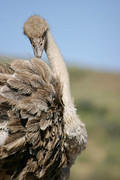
{"points": [[97, 98]]}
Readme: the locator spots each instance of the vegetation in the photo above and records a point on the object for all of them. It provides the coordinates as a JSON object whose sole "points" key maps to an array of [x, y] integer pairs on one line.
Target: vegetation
{"points": [[97, 98]]}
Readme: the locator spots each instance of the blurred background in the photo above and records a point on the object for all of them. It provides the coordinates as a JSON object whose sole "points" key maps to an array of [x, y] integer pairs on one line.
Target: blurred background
{"points": [[88, 35]]}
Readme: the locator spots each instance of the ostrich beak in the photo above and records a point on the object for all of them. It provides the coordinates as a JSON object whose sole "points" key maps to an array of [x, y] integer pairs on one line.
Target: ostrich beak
{"points": [[38, 46], [38, 51]]}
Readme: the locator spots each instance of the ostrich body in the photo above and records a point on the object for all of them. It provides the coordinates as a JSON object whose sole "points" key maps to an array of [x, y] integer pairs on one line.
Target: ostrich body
{"points": [[31, 121], [40, 132]]}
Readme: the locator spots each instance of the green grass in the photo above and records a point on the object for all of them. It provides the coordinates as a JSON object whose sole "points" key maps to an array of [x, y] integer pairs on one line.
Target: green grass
{"points": [[97, 98]]}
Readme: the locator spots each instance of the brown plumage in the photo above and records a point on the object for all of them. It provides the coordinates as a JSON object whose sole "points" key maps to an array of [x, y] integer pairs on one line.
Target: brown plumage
{"points": [[31, 116]]}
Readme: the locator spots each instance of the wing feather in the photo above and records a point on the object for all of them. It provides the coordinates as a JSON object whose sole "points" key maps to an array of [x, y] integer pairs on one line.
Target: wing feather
{"points": [[31, 105]]}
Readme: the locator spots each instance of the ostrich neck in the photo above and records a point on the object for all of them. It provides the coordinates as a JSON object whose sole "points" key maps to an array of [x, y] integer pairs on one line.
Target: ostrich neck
{"points": [[76, 135], [58, 67]]}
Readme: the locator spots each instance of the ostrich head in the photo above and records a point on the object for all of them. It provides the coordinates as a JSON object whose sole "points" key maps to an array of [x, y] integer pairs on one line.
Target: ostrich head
{"points": [[35, 29]]}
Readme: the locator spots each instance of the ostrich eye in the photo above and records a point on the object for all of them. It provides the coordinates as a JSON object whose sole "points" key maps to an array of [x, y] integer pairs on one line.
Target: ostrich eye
{"points": [[44, 34], [33, 44]]}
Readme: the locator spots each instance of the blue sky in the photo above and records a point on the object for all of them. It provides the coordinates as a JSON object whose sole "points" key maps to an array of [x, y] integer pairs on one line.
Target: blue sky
{"points": [[86, 31]]}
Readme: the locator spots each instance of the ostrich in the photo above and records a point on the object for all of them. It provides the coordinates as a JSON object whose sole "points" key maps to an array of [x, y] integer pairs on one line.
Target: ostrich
{"points": [[40, 132], [37, 30]]}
